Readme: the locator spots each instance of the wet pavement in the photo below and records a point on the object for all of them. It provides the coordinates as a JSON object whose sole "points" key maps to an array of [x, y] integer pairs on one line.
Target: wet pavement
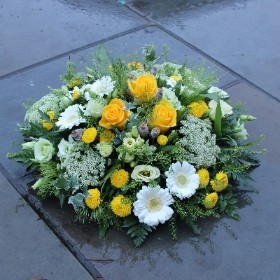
{"points": [[229, 39]]}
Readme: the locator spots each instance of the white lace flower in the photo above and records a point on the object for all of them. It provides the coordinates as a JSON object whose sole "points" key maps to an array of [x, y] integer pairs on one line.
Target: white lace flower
{"points": [[182, 180], [100, 87], [152, 205], [145, 173], [71, 117], [225, 108]]}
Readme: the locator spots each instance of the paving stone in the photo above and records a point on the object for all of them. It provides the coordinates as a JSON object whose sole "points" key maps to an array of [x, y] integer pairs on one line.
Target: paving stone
{"points": [[241, 34], [34, 83], [35, 30], [29, 249]]}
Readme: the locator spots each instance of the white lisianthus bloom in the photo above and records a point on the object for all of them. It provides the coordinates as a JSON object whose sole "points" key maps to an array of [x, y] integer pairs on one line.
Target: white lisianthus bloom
{"points": [[240, 132], [64, 148], [220, 92], [170, 95], [182, 179], [129, 143], [152, 205], [145, 173], [94, 108], [105, 149], [225, 108], [127, 157], [99, 88], [71, 117], [43, 150]]}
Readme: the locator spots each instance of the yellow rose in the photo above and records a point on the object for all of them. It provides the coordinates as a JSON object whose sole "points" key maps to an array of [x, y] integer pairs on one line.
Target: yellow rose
{"points": [[144, 87], [163, 116], [114, 115], [198, 109]]}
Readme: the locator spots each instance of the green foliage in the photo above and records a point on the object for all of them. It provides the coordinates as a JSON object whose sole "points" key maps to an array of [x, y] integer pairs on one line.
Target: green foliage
{"points": [[172, 224], [137, 231], [228, 204], [25, 156]]}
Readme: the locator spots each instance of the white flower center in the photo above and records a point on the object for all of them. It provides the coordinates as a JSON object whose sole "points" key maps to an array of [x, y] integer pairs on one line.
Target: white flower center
{"points": [[154, 204], [181, 180]]}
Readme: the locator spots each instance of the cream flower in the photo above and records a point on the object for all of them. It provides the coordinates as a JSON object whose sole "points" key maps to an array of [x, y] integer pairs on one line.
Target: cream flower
{"points": [[170, 95], [129, 143], [182, 180], [220, 92], [145, 173], [225, 108], [152, 205], [71, 117], [43, 150], [64, 148], [94, 108]]}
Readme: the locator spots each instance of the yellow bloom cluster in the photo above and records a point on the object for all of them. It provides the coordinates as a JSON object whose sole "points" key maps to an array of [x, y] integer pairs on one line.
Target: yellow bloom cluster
{"points": [[48, 125], [93, 200], [198, 109], [203, 177], [162, 140], [119, 178], [210, 200], [76, 94], [134, 65], [121, 206], [89, 135], [74, 83], [106, 136], [220, 182]]}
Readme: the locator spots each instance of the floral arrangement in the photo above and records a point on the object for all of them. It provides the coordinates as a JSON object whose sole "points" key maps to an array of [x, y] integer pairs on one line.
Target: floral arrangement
{"points": [[134, 145]]}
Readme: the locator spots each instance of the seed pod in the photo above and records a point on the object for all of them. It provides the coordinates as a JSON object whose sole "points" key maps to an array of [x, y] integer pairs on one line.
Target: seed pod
{"points": [[143, 129], [155, 132]]}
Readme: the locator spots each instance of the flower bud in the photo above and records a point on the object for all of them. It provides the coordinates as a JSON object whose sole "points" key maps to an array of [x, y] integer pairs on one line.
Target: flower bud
{"points": [[143, 129], [155, 132], [246, 118], [77, 134]]}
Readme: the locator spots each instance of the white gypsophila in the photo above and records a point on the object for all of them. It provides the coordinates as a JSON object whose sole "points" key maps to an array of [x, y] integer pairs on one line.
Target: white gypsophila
{"points": [[145, 173], [94, 108], [169, 94], [87, 165], [221, 93], [105, 149], [152, 205], [182, 180], [99, 88], [71, 117], [225, 108], [43, 150], [199, 143], [64, 148]]}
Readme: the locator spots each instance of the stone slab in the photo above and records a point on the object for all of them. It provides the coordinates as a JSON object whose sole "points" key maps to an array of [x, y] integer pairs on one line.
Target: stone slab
{"points": [[34, 83], [29, 249], [241, 34], [35, 30]]}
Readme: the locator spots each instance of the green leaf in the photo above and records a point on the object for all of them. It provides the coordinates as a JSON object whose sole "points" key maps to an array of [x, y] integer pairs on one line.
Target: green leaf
{"points": [[77, 200], [218, 120]]}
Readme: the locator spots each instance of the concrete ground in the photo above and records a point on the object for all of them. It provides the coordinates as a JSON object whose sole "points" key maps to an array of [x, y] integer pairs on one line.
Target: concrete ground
{"points": [[239, 39]]}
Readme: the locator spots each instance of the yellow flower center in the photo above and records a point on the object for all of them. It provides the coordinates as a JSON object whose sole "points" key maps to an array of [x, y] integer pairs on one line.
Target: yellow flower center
{"points": [[182, 180], [154, 204]]}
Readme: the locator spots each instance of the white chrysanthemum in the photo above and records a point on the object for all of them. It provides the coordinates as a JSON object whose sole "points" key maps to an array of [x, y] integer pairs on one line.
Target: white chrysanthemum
{"points": [[182, 180], [152, 205], [71, 117], [170, 95], [100, 87]]}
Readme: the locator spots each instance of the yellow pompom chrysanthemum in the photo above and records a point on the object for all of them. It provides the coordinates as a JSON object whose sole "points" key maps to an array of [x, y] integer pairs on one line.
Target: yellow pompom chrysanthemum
{"points": [[198, 109], [210, 200], [162, 140], [121, 206], [119, 178], [220, 182], [93, 200], [47, 125], [106, 136], [89, 135], [203, 177]]}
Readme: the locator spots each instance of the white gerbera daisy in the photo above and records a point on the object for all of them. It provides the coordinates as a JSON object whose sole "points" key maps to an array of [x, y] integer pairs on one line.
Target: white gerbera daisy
{"points": [[152, 205], [100, 87], [182, 180], [71, 117]]}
